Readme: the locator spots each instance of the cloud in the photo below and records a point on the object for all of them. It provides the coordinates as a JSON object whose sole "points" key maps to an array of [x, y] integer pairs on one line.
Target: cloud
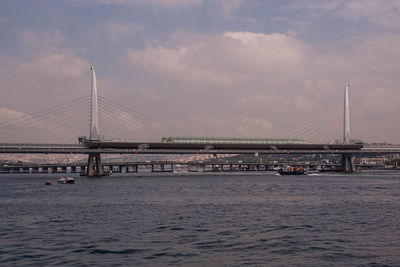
{"points": [[269, 82], [17, 126], [33, 44], [54, 66], [174, 64], [47, 57], [224, 60], [384, 13], [253, 72], [316, 5], [252, 126], [7, 114], [155, 3], [255, 50], [48, 61], [115, 30], [224, 7], [228, 6]]}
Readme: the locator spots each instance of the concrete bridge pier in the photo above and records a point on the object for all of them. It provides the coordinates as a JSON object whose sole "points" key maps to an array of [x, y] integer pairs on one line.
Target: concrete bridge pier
{"points": [[94, 167], [169, 167], [216, 167], [115, 169], [130, 168], [157, 167], [347, 162], [244, 167]]}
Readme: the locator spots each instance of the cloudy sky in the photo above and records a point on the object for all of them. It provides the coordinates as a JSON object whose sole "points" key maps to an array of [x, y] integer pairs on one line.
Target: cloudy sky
{"points": [[255, 68]]}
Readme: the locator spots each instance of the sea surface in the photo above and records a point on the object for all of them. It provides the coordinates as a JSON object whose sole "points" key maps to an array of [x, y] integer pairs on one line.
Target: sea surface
{"points": [[201, 220]]}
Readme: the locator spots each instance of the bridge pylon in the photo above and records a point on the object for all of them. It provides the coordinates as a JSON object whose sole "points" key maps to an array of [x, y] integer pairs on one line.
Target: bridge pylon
{"points": [[94, 109], [347, 159], [94, 167], [346, 117]]}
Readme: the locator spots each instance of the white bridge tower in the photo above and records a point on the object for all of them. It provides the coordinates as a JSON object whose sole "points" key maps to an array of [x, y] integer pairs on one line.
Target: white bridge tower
{"points": [[347, 159], [94, 167], [94, 109], [346, 120]]}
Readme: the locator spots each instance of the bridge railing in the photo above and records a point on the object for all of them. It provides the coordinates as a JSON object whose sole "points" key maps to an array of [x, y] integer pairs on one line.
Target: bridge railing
{"points": [[24, 146]]}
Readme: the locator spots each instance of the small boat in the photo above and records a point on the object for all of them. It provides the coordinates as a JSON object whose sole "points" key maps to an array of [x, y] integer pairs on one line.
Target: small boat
{"points": [[292, 171], [47, 183], [66, 180]]}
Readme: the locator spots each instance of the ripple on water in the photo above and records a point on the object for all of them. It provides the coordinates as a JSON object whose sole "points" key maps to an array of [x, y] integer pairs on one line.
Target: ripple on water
{"points": [[122, 251], [202, 221]]}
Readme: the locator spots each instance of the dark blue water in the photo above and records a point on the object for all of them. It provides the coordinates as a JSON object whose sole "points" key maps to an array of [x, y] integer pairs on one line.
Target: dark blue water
{"points": [[201, 220]]}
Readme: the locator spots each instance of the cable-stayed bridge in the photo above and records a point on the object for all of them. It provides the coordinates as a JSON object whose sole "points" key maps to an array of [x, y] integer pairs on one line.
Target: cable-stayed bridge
{"points": [[106, 118]]}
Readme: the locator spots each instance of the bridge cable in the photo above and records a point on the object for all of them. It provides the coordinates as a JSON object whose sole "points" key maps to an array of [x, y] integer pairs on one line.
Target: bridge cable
{"points": [[52, 116], [46, 111], [144, 116], [109, 119], [310, 128]]}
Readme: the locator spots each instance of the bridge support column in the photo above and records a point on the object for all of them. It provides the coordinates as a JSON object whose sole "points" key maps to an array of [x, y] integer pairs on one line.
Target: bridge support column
{"points": [[169, 167], [347, 163], [115, 168], [94, 167]]}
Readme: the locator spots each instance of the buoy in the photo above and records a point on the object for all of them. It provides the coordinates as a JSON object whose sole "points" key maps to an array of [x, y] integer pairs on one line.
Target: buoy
{"points": [[48, 183]]}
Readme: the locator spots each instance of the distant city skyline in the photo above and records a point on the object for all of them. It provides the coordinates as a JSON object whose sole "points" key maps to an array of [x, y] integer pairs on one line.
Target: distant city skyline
{"points": [[211, 68]]}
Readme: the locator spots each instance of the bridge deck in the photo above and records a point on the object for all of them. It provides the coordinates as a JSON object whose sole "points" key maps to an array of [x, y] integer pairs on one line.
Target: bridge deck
{"points": [[233, 146], [178, 148]]}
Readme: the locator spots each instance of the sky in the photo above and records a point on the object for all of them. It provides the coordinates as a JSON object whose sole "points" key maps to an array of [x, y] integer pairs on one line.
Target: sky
{"points": [[255, 68]]}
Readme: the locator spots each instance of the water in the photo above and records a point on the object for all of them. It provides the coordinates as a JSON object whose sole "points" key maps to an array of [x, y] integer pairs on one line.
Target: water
{"points": [[201, 220]]}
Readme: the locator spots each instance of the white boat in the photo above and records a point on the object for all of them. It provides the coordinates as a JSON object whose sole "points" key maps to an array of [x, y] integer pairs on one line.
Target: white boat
{"points": [[66, 180]]}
